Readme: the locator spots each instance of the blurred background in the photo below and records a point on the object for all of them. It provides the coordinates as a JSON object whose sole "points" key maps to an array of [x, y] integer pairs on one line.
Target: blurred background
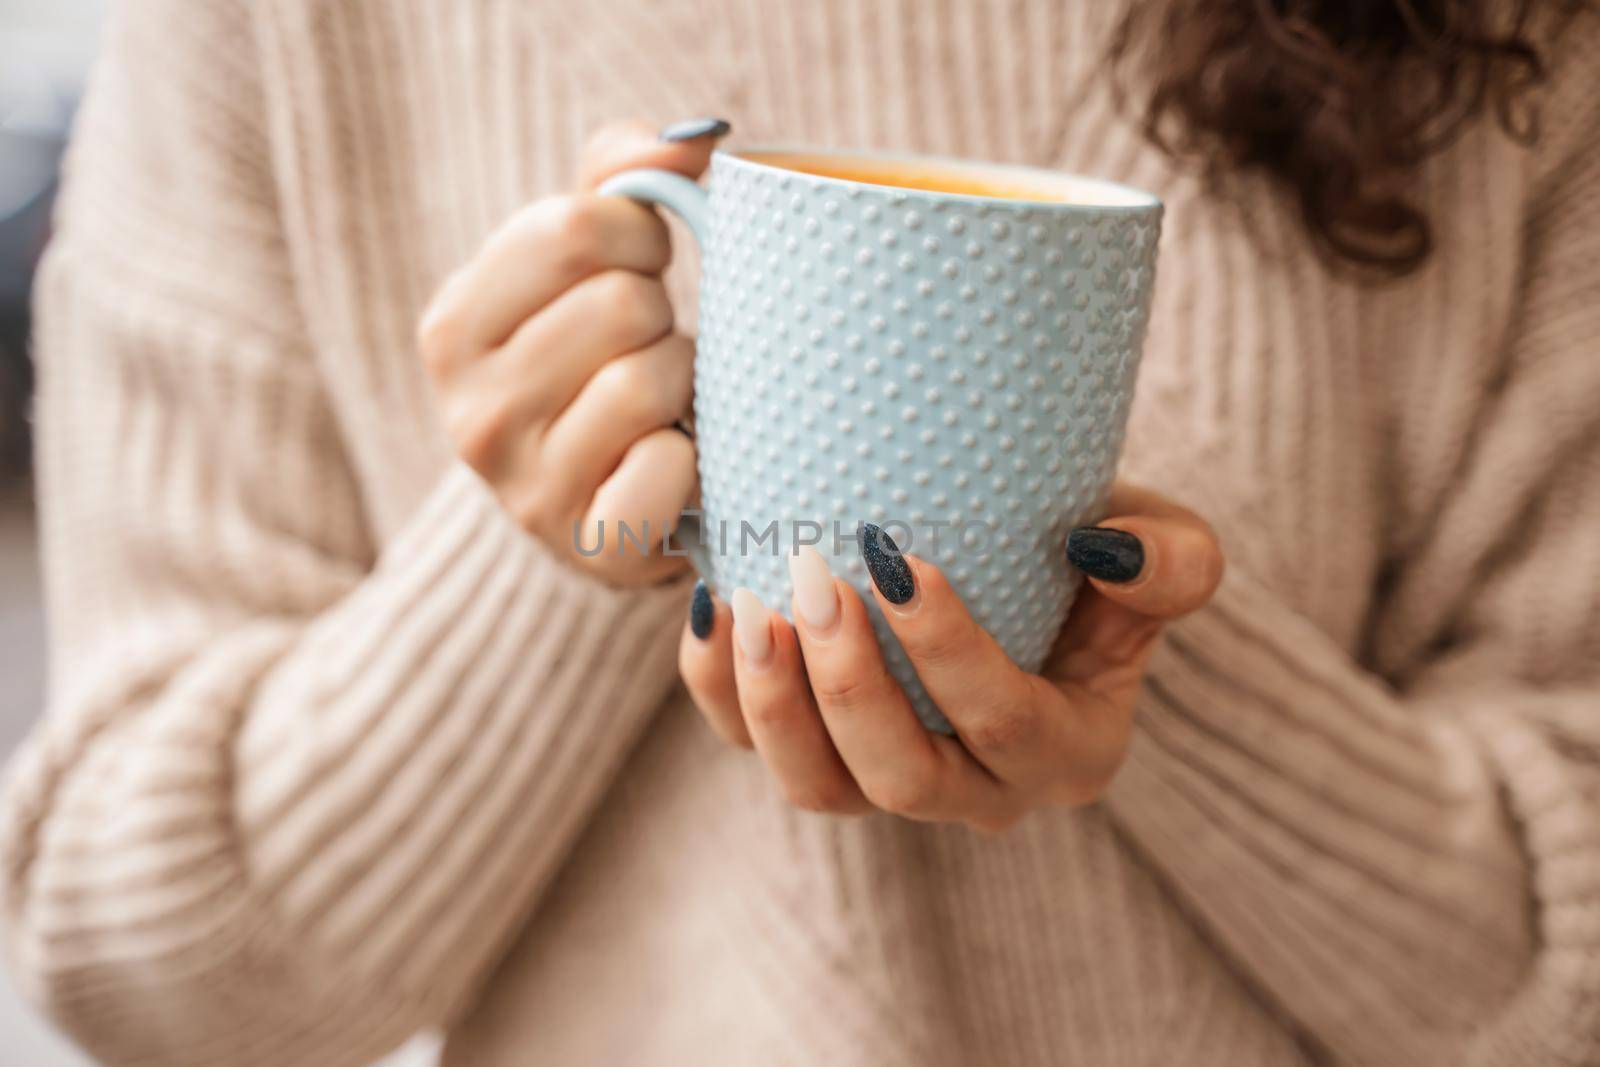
{"points": [[46, 47], [45, 50]]}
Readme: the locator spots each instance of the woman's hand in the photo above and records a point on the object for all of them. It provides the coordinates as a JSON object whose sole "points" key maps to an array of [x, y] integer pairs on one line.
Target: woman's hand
{"points": [[817, 702], [557, 371]]}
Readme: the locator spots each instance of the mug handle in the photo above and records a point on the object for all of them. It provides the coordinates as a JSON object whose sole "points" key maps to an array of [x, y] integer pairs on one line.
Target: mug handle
{"points": [[688, 201], [670, 190]]}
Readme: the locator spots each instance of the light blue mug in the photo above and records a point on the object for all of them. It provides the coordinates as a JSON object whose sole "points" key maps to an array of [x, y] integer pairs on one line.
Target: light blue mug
{"points": [[944, 348]]}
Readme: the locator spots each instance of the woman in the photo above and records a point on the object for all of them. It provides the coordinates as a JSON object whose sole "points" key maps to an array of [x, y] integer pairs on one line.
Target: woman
{"points": [[345, 741]]}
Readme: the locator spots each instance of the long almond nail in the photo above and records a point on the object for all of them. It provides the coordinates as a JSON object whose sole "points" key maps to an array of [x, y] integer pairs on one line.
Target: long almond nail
{"points": [[815, 599], [752, 627], [889, 569], [702, 611]]}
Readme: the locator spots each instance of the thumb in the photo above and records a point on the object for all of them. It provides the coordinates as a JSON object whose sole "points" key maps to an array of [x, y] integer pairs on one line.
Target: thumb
{"points": [[1144, 568], [1160, 566], [684, 147]]}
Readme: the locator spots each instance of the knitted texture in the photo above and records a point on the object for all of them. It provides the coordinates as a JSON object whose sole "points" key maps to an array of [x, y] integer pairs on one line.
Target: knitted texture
{"points": [[335, 752]]}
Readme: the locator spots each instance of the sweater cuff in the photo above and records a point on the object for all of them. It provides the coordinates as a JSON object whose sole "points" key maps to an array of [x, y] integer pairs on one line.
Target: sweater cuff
{"points": [[1325, 831], [412, 771]]}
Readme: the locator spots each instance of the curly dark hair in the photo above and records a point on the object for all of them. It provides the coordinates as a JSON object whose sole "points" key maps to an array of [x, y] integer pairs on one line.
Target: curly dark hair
{"points": [[1337, 100]]}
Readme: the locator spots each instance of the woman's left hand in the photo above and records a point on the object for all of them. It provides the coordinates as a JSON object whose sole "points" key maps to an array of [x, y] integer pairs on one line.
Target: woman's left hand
{"points": [[816, 700]]}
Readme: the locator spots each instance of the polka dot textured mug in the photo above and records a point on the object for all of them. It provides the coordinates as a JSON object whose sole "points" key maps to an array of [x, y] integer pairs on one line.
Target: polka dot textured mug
{"points": [[956, 368]]}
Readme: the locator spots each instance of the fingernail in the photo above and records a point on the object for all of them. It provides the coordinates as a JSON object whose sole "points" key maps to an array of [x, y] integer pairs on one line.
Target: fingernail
{"points": [[702, 612], [752, 627], [889, 569], [1110, 555], [815, 599], [689, 129]]}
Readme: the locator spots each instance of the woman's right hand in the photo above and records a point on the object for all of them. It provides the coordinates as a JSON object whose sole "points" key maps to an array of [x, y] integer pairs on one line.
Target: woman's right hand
{"points": [[557, 370]]}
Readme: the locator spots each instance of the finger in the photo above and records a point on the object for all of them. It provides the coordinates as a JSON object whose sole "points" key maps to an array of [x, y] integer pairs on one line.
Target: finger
{"points": [[545, 249], [1161, 565], [1019, 726], [638, 505], [1102, 651], [620, 146], [508, 398], [1130, 498], [780, 715], [899, 765], [556, 352], [705, 660], [1153, 561], [626, 398]]}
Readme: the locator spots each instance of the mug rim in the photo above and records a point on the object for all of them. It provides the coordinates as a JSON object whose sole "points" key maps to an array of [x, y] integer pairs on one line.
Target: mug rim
{"points": [[1134, 201]]}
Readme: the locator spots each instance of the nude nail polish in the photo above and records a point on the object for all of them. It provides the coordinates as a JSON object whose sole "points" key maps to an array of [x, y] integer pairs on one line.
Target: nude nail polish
{"points": [[815, 599], [752, 627]]}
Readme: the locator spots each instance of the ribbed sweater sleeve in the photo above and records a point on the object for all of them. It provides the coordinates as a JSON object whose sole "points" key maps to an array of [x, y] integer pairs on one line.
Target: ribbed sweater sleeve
{"points": [[298, 783], [1410, 869]]}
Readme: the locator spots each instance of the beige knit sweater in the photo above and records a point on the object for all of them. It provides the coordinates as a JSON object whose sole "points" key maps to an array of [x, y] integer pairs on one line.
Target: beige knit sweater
{"points": [[335, 752]]}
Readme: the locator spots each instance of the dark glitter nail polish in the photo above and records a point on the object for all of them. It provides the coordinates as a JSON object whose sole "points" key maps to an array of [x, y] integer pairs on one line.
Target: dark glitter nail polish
{"points": [[889, 569], [1110, 555], [689, 129], [702, 612]]}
